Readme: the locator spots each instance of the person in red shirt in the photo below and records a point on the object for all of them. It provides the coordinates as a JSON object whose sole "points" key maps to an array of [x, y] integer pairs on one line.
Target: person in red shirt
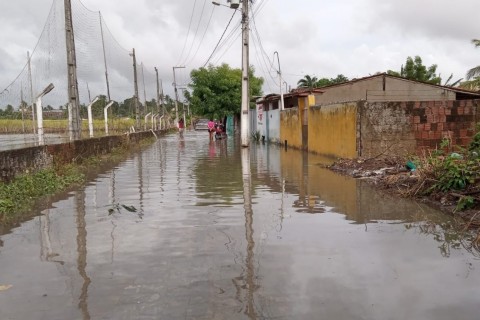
{"points": [[181, 127], [211, 129]]}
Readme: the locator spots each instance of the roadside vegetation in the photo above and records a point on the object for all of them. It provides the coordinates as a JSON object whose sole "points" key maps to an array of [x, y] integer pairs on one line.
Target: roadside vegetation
{"points": [[447, 178], [21, 195], [19, 126]]}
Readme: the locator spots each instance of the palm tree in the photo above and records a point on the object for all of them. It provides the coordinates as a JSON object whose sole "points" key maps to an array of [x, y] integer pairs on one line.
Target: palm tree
{"points": [[474, 72], [473, 75], [307, 82]]}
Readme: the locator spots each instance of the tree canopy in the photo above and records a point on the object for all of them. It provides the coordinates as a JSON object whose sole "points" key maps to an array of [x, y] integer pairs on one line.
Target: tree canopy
{"points": [[473, 75], [216, 91], [314, 82], [415, 70]]}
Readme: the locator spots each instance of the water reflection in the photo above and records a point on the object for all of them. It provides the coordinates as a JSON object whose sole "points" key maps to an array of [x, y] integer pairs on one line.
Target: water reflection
{"points": [[82, 252], [232, 233]]}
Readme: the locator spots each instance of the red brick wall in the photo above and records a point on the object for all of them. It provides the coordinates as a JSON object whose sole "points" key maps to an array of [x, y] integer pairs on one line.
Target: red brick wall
{"points": [[435, 120]]}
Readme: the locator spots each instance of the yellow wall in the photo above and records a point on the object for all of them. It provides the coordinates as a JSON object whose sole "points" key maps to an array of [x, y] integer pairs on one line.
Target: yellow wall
{"points": [[332, 130], [291, 128]]}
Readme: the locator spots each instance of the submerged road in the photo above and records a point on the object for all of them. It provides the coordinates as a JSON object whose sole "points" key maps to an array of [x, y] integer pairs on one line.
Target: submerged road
{"points": [[189, 229]]}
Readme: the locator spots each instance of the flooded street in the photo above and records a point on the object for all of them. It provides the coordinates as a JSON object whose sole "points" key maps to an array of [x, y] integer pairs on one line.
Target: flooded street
{"points": [[189, 229]]}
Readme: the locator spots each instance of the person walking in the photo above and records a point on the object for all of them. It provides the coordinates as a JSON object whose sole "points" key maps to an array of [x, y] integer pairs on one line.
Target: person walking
{"points": [[181, 127], [211, 128]]}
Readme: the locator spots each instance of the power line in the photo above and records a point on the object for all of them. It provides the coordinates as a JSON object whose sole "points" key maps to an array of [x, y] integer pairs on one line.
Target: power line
{"points": [[188, 32], [235, 11], [196, 31], [203, 36]]}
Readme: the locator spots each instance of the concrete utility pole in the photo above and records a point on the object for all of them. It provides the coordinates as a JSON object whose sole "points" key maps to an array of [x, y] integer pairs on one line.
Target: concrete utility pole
{"points": [[176, 94], [31, 92], [135, 82], [144, 93], [245, 122], [104, 57], [72, 73], [282, 106], [158, 91]]}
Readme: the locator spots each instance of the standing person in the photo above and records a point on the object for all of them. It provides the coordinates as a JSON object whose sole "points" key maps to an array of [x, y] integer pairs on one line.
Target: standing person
{"points": [[181, 126], [211, 128]]}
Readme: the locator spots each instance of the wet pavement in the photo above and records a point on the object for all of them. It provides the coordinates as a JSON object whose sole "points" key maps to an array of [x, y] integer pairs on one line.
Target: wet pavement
{"points": [[189, 229]]}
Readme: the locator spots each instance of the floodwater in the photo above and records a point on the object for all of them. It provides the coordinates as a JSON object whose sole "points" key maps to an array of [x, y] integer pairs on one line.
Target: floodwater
{"points": [[189, 229]]}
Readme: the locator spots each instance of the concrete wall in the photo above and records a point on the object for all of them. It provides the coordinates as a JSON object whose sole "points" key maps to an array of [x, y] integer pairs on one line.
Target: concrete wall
{"points": [[373, 89], [33, 159], [386, 127], [332, 130], [273, 118], [291, 128]]}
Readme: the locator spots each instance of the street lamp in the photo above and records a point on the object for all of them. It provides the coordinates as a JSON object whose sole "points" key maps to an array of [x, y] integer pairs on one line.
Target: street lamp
{"points": [[234, 4], [40, 112]]}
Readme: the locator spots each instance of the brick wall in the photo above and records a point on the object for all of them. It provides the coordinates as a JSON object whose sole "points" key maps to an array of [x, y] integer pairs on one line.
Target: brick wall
{"points": [[398, 128], [28, 160], [435, 120]]}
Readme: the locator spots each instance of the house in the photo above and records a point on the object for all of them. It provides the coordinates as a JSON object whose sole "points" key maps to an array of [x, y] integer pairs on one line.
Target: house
{"points": [[376, 115]]}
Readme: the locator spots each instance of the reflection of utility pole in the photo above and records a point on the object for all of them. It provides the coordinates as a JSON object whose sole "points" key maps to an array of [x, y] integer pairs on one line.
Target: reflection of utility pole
{"points": [[82, 252], [135, 83], [176, 94], [249, 260]]}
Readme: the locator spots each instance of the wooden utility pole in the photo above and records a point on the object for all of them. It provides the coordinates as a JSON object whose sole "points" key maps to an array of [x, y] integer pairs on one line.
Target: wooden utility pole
{"points": [[135, 83], [72, 73]]}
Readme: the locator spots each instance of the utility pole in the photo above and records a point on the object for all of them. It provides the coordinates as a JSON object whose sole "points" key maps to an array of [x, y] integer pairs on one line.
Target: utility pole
{"points": [[31, 92], [144, 93], [137, 108], [158, 91], [245, 122], [104, 57], [72, 73], [176, 94], [282, 107]]}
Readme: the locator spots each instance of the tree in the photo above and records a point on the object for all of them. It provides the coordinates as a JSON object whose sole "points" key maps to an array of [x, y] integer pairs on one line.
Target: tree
{"points": [[313, 82], [474, 72], [415, 70], [473, 75], [308, 82], [216, 91]]}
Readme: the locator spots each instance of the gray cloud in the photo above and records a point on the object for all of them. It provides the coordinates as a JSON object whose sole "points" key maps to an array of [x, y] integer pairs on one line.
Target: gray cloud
{"points": [[352, 37]]}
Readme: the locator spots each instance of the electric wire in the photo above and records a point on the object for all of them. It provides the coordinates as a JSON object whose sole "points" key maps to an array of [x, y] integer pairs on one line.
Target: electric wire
{"points": [[216, 46], [196, 32], [203, 36], [188, 33]]}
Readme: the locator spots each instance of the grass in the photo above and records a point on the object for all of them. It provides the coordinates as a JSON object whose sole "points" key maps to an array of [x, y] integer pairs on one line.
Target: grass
{"points": [[61, 125], [18, 197]]}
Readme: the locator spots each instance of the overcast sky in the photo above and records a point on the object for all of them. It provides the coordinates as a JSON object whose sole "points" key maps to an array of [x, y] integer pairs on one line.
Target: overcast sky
{"points": [[355, 38]]}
